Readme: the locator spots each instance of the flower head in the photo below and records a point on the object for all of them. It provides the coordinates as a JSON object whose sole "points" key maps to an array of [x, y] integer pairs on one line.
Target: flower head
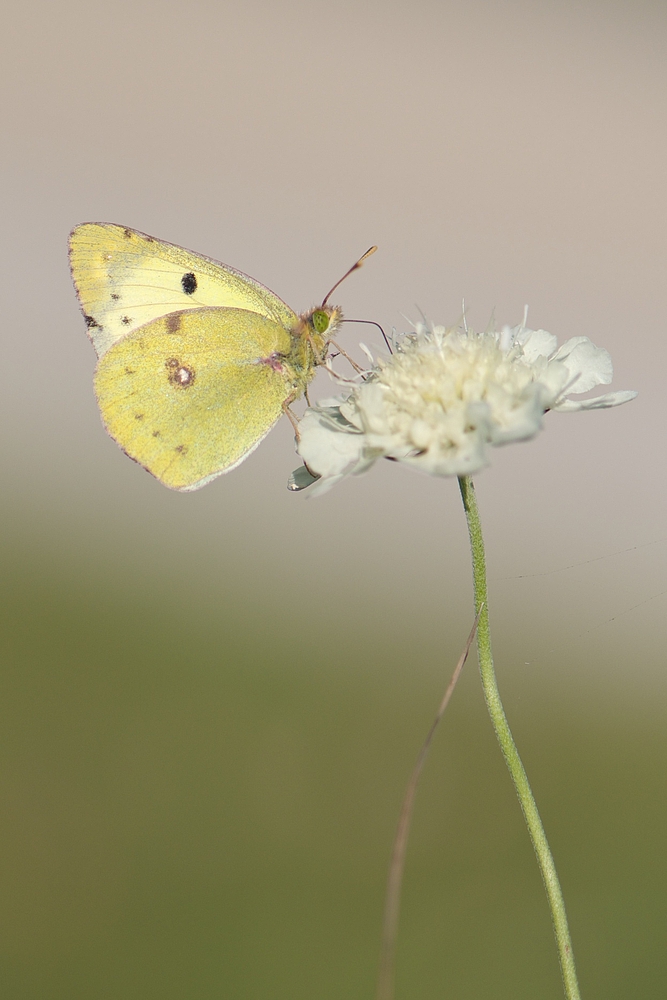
{"points": [[445, 396]]}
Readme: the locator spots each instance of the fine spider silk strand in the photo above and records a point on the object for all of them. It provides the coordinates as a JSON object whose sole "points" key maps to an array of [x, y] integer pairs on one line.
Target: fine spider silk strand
{"points": [[385, 990]]}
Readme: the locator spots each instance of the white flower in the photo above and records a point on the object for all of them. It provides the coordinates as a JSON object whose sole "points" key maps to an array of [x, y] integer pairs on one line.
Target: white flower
{"points": [[445, 396]]}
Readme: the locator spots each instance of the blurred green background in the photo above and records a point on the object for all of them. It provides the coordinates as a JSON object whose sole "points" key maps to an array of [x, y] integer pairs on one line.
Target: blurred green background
{"points": [[200, 786], [210, 703]]}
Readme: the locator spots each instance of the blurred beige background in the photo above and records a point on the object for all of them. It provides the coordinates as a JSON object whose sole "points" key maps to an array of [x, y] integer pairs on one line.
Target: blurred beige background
{"points": [[503, 153]]}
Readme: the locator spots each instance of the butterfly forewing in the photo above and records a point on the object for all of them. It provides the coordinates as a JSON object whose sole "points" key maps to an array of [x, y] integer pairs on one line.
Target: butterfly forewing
{"points": [[125, 279]]}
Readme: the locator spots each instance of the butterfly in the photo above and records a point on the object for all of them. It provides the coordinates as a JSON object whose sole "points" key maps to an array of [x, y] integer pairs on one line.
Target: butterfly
{"points": [[197, 361]]}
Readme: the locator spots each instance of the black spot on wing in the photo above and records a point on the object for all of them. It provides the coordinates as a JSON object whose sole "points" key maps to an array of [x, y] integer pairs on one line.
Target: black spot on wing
{"points": [[128, 234], [115, 296], [181, 449], [126, 321], [189, 283], [91, 322]]}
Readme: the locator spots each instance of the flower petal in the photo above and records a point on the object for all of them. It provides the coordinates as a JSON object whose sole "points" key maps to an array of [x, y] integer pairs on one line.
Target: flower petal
{"points": [[587, 365], [328, 444], [536, 344], [597, 403]]}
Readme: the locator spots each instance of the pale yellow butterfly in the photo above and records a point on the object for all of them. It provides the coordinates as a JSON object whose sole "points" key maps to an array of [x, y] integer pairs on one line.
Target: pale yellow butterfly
{"points": [[197, 361]]}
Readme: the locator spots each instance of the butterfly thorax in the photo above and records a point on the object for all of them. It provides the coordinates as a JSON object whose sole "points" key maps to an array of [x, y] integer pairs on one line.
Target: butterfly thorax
{"points": [[310, 343]]}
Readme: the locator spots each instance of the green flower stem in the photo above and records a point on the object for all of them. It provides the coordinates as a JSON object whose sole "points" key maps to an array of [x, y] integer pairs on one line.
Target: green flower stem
{"points": [[508, 747]]}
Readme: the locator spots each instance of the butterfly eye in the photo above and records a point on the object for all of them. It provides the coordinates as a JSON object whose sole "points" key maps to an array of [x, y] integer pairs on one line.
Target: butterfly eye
{"points": [[320, 320]]}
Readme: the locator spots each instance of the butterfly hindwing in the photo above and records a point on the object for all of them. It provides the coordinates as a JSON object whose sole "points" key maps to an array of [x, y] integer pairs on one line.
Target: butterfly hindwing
{"points": [[125, 279], [190, 394]]}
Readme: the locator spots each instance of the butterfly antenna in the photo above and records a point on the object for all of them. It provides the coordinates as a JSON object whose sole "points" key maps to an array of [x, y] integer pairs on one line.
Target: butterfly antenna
{"points": [[347, 275], [372, 322]]}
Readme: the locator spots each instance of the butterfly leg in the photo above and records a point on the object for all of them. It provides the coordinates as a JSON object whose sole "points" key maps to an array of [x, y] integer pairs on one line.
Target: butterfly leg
{"points": [[292, 418], [347, 357], [319, 359]]}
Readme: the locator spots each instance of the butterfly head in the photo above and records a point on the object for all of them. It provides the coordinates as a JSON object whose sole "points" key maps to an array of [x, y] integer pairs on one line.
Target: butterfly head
{"points": [[323, 321], [318, 326]]}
